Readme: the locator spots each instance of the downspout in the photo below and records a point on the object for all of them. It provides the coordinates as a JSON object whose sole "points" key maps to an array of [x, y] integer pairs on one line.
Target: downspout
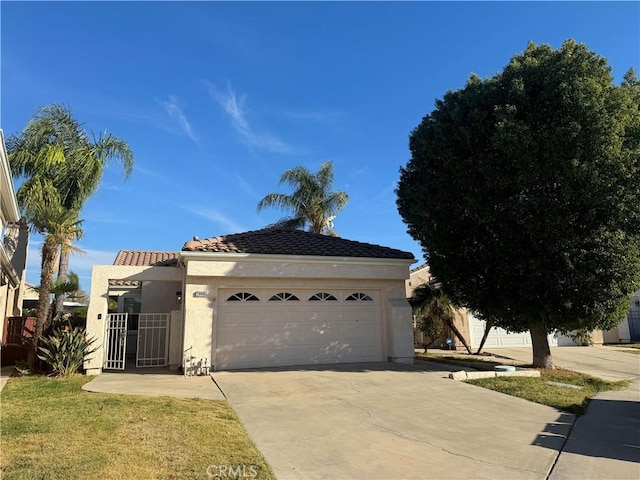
{"points": [[183, 312]]}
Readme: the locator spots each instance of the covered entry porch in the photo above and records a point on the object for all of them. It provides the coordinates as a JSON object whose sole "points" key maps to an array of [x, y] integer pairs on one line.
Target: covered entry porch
{"points": [[135, 314], [138, 339]]}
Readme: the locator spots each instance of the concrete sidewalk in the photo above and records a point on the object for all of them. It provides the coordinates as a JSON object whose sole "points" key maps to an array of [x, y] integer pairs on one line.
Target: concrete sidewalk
{"points": [[155, 385], [605, 442], [5, 373]]}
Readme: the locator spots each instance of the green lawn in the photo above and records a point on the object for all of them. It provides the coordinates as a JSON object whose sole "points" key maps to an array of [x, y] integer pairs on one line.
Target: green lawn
{"points": [[539, 391], [51, 429]]}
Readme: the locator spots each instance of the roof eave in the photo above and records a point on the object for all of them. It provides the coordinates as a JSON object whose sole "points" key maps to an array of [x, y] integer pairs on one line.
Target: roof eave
{"points": [[263, 257]]}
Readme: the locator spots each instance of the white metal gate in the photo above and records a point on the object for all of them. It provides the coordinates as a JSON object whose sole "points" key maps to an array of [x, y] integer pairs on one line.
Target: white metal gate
{"points": [[153, 340], [116, 344]]}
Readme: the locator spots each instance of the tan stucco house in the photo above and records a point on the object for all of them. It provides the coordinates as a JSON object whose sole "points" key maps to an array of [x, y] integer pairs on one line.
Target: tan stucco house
{"points": [[13, 248], [264, 298]]}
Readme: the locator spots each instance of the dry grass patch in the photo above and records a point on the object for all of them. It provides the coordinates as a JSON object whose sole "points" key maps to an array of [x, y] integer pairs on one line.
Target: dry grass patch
{"points": [[434, 357], [51, 429], [633, 348], [561, 397]]}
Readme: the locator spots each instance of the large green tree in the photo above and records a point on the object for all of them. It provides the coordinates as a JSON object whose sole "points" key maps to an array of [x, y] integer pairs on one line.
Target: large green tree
{"points": [[60, 167], [523, 190], [311, 204]]}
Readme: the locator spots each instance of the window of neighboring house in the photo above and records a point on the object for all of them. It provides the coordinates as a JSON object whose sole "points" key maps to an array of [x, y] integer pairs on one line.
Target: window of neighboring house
{"points": [[243, 297], [323, 297], [284, 297]]}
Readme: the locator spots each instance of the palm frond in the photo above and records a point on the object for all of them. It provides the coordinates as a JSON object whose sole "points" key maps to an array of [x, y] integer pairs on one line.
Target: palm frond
{"points": [[69, 285], [278, 200]]}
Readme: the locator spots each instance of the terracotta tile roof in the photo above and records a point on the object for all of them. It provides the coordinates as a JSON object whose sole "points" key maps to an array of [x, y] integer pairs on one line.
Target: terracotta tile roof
{"points": [[278, 241], [421, 267], [142, 258]]}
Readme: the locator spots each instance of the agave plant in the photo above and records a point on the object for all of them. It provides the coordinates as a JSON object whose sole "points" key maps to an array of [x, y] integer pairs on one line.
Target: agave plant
{"points": [[65, 350]]}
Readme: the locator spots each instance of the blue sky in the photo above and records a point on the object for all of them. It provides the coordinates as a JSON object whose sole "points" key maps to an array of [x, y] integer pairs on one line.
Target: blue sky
{"points": [[217, 99]]}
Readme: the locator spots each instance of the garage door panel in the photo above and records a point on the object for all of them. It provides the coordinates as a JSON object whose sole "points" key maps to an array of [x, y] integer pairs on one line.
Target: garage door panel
{"points": [[295, 355], [280, 333]]}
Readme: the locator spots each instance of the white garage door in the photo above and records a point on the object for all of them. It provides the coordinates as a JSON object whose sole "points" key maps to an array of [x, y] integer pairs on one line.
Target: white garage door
{"points": [[265, 328], [500, 338]]}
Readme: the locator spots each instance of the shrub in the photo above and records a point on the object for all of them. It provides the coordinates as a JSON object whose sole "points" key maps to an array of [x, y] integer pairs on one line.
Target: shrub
{"points": [[65, 350], [582, 337]]}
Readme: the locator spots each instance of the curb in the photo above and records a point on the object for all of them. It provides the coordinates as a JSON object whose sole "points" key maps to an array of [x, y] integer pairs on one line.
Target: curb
{"points": [[479, 365], [463, 376]]}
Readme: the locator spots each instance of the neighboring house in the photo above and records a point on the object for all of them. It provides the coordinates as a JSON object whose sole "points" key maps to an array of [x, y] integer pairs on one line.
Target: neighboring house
{"points": [[30, 301], [419, 276], [13, 249], [265, 298], [629, 329], [473, 328]]}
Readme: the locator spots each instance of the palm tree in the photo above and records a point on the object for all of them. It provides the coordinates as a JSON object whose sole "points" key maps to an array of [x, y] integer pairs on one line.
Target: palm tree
{"points": [[60, 165], [428, 300], [312, 204]]}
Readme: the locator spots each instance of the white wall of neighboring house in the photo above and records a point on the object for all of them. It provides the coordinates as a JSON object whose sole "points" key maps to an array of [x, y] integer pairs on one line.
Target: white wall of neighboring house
{"points": [[500, 338]]}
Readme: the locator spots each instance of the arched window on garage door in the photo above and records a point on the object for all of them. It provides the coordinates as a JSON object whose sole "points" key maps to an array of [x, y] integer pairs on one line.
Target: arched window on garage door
{"points": [[323, 297], [284, 297], [243, 297], [359, 297]]}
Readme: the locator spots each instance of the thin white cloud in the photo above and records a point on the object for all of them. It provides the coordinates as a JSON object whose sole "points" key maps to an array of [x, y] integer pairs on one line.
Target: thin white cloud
{"points": [[113, 187], [174, 109], [80, 263], [213, 215], [383, 201], [106, 218], [248, 189], [153, 174], [321, 116], [234, 107], [356, 172], [85, 261]]}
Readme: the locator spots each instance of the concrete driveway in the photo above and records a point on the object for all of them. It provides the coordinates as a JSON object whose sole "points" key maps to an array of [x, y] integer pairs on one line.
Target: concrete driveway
{"points": [[386, 421], [605, 362]]}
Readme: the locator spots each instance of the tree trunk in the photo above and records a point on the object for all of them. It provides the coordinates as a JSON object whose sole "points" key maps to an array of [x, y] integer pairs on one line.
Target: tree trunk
{"points": [[488, 326], [457, 333], [49, 257], [63, 270], [540, 343]]}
